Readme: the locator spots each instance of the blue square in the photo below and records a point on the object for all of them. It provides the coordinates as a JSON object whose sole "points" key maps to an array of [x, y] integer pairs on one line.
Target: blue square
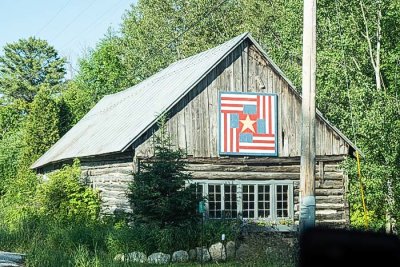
{"points": [[246, 138], [249, 109], [234, 121], [261, 126]]}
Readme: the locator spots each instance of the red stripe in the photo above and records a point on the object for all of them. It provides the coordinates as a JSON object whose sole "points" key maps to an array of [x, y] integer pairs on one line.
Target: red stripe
{"points": [[231, 105], [258, 147], [264, 141], [225, 131], [237, 139], [238, 98], [269, 115], [263, 107], [229, 111]]}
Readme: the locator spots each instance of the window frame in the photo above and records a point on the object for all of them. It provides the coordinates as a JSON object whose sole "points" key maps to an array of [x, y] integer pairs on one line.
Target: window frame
{"points": [[239, 197]]}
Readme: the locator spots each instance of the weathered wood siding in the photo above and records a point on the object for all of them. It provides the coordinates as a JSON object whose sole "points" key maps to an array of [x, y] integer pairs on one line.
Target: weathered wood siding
{"points": [[193, 125], [110, 175], [331, 181]]}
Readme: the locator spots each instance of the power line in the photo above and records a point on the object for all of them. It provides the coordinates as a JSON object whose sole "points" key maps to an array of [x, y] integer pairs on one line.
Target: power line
{"points": [[201, 18], [94, 23], [53, 18], [73, 20]]}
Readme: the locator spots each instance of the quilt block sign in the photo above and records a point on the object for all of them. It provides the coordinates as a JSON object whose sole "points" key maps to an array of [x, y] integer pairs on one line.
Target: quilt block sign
{"points": [[248, 124]]}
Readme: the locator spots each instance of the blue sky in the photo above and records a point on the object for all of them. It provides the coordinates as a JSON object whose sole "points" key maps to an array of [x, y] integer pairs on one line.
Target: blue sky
{"points": [[71, 26]]}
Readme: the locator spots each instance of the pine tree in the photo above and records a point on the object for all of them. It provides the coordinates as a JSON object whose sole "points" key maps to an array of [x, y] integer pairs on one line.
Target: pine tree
{"points": [[158, 193]]}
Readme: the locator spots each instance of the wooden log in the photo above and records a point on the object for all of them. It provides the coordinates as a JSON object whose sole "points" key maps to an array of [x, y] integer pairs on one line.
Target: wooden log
{"points": [[241, 168], [329, 215], [328, 192], [106, 178], [245, 175], [111, 171], [333, 176], [111, 187], [106, 166], [327, 184]]}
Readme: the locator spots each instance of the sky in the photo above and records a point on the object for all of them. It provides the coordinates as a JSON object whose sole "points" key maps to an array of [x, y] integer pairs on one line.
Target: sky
{"points": [[71, 26]]}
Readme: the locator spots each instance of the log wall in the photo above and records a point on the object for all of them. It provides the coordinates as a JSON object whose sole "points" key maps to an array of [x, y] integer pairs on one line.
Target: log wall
{"points": [[110, 175]]}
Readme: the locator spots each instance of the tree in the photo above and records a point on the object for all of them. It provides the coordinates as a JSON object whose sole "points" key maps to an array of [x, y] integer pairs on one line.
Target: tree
{"points": [[27, 64], [101, 71], [158, 193], [42, 127]]}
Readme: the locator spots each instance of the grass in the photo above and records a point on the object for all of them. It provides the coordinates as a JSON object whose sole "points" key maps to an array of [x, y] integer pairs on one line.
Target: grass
{"points": [[50, 243]]}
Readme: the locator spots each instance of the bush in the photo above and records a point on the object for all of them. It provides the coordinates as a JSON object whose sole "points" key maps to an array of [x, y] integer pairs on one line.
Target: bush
{"points": [[65, 197]]}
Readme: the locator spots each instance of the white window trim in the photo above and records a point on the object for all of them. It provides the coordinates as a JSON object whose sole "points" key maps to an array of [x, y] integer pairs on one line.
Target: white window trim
{"points": [[239, 183]]}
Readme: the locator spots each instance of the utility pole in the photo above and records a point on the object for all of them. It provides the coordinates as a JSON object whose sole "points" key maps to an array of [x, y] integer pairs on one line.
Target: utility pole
{"points": [[307, 162]]}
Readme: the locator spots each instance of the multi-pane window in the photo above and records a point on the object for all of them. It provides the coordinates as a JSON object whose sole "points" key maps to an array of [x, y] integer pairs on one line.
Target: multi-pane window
{"points": [[248, 206], [282, 203], [264, 201], [259, 200], [230, 201], [214, 201]]}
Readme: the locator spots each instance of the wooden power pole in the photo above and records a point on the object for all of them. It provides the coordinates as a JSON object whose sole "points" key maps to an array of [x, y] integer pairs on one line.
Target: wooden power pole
{"points": [[307, 162]]}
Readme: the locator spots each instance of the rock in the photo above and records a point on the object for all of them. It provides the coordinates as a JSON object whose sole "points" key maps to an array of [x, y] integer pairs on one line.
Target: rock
{"points": [[13, 257], [230, 250], [217, 252], [135, 257], [192, 254], [242, 252], [180, 256], [5, 263], [119, 257], [159, 258], [202, 252]]}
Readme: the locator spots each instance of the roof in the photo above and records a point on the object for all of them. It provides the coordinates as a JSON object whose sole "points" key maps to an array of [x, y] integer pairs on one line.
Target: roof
{"points": [[109, 126]]}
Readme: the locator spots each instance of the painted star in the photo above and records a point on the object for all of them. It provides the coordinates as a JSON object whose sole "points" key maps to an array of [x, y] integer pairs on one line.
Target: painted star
{"points": [[248, 124]]}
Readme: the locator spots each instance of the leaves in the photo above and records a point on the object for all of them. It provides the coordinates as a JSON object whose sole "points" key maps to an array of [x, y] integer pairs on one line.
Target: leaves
{"points": [[26, 64]]}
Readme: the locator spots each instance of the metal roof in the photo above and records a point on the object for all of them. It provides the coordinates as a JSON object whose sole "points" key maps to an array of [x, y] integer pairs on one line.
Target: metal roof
{"points": [[117, 120]]}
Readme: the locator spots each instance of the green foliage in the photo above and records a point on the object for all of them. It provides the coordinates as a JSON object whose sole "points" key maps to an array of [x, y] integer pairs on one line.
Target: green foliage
{"points": [[10, 152], [27, 64], [65, 197], [101, 71], [41, 129], [76, 102], [158, 193]]}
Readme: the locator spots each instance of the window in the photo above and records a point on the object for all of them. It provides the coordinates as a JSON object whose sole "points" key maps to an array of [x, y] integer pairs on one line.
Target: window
{"points": [[258, 200], [230, 201]]}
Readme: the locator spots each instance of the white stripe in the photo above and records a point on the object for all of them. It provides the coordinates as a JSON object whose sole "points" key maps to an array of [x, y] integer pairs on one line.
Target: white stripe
{"points": [[258, 151], [256, 144], [238, 95], [266, 138], [228, 133], [261, 107], [273, 113], [266, 115], [240, 102], [232, 108], [222, 133]]}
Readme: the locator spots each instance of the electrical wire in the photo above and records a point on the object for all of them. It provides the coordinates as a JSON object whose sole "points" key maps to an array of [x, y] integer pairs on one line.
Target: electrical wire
{"points": [[53, 18], [94, 23], [73, 20]]}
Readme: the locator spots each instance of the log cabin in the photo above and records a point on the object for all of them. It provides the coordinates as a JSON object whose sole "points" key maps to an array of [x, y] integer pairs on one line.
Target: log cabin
{"points": [[238, 119]]}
